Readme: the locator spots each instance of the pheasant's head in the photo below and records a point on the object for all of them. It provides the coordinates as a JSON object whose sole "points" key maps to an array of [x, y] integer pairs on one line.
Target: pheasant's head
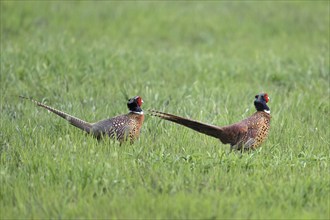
{"points": [[260, 102], [134, 105]]}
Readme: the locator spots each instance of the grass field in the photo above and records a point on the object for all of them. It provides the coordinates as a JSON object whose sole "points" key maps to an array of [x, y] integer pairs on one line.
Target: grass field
{"points": [[203, 60]]}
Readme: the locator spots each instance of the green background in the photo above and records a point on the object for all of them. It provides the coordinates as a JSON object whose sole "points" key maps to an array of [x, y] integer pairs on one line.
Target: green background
{"points": [[202, 60]]}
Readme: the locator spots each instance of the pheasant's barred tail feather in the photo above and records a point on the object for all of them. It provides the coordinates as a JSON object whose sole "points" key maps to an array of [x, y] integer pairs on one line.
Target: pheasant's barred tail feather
{"points": [[83, 125], [203, 128]]}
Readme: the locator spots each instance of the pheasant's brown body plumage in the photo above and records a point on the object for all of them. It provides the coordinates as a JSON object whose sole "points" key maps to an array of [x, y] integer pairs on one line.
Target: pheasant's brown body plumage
{"points": [[246, 134], [122, 127]]}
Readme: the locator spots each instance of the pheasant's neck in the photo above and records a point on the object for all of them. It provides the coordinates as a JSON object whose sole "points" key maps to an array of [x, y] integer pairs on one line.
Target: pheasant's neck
{"points": [[261, 106], [137, 112], [267, 111]]}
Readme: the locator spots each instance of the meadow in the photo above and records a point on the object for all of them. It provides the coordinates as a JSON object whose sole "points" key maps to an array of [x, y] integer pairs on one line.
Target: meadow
{"points": [[202, 60]]}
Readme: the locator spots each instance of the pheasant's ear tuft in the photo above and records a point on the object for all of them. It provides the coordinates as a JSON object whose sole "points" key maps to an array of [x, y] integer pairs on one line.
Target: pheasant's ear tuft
{"points": [[130, 101]]}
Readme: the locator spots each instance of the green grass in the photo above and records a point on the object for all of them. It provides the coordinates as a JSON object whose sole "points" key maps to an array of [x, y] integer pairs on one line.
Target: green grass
{"points": [[200, 60]]}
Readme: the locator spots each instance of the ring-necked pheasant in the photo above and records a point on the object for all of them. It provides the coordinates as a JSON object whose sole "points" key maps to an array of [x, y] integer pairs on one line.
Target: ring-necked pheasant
{"points": [[122, 127], [246, 134]]}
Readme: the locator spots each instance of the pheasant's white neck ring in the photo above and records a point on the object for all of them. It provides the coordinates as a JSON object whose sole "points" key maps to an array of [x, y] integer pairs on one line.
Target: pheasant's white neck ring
{"points": [[267, 111], [139, 113]]}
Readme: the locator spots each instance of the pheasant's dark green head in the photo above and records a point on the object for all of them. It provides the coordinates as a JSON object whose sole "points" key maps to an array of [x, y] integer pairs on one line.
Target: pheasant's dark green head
{"points": [[134, 104], [260, 102]]}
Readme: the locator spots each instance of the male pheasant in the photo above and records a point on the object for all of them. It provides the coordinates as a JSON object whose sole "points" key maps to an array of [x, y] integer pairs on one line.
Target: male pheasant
{"points": [[122, 127], [246, 134]]}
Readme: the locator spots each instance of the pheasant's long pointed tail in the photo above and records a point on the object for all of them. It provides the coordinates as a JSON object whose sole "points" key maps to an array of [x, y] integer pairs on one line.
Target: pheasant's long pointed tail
{"points": [[83, 125], [207, 129]]}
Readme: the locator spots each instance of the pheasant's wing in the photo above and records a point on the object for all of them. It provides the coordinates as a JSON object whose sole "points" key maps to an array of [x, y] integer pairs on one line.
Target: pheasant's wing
{"points": [[235, 134], [117, 127], [207, 129]]}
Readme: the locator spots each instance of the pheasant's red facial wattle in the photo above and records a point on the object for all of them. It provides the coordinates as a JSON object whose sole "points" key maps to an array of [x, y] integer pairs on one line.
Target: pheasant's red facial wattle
{"points": [[139, 100], [266, 97]]}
